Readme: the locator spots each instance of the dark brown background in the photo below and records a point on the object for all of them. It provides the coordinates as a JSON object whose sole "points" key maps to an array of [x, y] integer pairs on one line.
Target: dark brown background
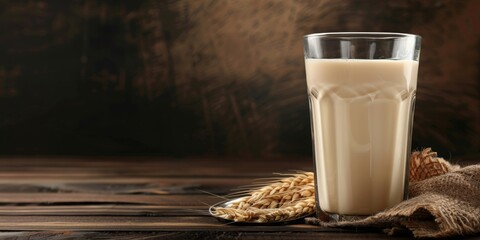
{"points": [[215, 78]]}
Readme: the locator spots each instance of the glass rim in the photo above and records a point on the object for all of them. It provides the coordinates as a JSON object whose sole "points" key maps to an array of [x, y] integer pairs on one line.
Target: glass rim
{"points": [[361, 35]]}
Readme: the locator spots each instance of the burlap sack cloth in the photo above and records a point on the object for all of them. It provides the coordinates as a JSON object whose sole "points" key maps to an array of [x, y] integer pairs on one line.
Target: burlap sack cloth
{"points": [[445, 205]]}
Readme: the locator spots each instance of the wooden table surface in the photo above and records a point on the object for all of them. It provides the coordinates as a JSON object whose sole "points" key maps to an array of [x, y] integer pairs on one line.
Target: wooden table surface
{"points": [[138, 198]]}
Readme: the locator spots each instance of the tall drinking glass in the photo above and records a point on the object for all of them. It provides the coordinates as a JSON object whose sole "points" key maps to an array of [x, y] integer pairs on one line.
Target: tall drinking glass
{"points": [[361, 89]]}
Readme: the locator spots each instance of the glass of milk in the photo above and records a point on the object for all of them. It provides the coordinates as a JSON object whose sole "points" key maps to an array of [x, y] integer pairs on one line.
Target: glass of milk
{"points": [[361, 89]]}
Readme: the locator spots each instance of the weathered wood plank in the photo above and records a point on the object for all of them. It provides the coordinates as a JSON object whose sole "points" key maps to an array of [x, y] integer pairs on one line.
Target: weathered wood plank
{"points": [[132, 167], [172, 228], [86, 198], [103, 210], [125, 185], [146, 223], [120, 162], [197, 235]]}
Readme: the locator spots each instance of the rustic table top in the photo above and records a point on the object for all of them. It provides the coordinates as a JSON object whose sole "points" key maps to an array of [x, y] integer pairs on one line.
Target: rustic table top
{"points": [[138, 198]]}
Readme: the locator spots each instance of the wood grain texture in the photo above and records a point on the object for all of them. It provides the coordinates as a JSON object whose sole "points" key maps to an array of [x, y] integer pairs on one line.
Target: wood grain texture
{"points": [[192, 235], [224, 78], [139, 198]]}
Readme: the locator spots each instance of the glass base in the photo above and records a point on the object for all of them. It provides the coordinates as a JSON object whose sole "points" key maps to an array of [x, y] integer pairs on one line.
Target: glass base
{"points": [[334, 217]]}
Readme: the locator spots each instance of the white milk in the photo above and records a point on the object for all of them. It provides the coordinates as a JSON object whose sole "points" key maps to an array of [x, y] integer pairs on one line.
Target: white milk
{"points": [[361, 116]]}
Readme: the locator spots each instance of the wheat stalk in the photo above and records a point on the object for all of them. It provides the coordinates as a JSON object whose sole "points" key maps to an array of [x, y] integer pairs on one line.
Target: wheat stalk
{"points": [[292, 197], [288, 212], [280, 192], [284, 199], [426, 164]]}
